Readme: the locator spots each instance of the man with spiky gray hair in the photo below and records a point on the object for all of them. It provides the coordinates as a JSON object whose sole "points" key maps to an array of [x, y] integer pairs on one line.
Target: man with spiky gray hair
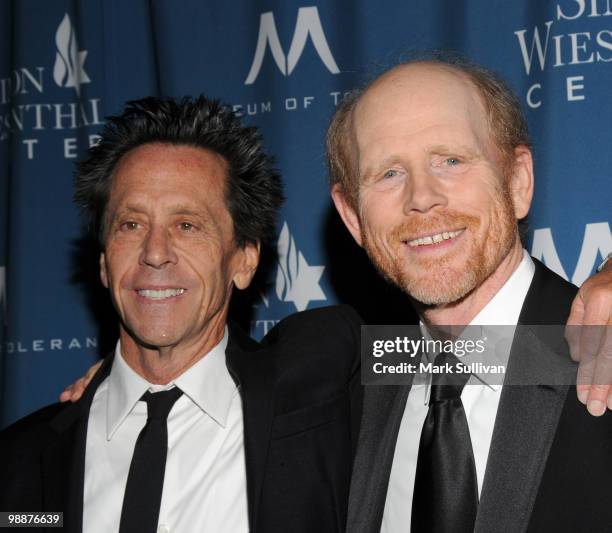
{"points": [[190, 425]]}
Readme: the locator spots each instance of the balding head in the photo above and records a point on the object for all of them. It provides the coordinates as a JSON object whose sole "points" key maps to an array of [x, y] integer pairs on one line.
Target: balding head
{"points": [[507, 126]]}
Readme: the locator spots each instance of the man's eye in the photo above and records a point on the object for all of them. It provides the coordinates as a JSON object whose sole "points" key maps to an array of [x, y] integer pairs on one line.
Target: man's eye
{"points": [[186, 226], [390, 174], [130, 225], [452, 161]]}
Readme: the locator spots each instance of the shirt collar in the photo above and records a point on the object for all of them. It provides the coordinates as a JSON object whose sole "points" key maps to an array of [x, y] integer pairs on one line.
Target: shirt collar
{"points": [[207, 383], [503, 309]]}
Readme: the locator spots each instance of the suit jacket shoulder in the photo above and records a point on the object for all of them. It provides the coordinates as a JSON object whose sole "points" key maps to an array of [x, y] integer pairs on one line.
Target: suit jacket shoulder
{"points": [[317, 408], [317, 353], [336, 326], [44, 456], [23, 441], [549, 299], [33, 425]]}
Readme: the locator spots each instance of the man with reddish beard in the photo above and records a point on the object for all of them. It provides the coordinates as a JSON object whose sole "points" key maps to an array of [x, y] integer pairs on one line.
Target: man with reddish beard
{"points": [[431, 169]]}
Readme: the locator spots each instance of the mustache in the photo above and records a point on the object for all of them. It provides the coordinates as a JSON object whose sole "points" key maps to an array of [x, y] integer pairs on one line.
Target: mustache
{"points": [[421, 225]]}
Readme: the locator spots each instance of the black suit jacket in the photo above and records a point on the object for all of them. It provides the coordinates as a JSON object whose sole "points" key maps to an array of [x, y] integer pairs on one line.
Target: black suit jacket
{"points": [[550, 463], [301, 403]]}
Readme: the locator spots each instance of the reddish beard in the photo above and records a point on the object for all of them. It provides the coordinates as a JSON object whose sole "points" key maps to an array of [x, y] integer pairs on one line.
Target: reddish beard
{"points": [[447, 279]]}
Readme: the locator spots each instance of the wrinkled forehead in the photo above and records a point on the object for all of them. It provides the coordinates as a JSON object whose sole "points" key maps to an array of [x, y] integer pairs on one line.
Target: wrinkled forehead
{"points": [[413, 98]]}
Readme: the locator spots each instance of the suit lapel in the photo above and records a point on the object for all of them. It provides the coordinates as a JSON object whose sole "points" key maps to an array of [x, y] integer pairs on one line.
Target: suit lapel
{"points": [[525, 426], [253, 370], [383, 407], [63, 460], [528, 415]]}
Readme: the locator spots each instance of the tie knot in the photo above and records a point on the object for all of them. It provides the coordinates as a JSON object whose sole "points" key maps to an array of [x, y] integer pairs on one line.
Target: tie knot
{"points": [[448, 382], [159, 404]]}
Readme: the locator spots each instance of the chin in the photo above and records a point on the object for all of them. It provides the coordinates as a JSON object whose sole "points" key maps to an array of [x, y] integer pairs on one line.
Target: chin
{"points": [[152, 339], [443, 287], [438, 291]]}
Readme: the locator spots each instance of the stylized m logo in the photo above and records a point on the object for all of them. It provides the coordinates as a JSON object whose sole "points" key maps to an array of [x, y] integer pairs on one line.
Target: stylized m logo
{"points": [[597, 241], [308, 24]]}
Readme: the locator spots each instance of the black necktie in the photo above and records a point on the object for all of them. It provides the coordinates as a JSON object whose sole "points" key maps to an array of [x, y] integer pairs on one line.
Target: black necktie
{"points": [[143, 491], [445, 489]]}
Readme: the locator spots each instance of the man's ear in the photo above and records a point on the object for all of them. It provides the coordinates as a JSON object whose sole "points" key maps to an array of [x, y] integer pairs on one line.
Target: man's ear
{"points": [[103, 273], [521, 181], [347, 212], [248, 259]]}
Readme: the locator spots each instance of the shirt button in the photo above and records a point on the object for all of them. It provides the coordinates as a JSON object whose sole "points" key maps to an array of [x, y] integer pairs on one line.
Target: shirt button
{"points": [[163, 529]]}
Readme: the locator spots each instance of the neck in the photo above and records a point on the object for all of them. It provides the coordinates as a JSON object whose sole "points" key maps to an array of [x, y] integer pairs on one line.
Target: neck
{"points": [[463, 311], [160, 365]]}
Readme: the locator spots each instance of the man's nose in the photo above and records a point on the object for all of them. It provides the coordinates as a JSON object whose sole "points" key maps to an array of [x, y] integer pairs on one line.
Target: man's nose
{"points": [[423, 192], [158, 249]]}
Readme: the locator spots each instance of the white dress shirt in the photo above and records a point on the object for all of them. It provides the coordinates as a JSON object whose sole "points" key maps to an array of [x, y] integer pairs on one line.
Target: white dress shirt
{"points": [[480, 400], [205, 478]]}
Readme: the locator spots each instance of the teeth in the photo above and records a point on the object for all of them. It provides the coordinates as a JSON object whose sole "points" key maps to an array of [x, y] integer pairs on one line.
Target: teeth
{"points": [[160, 295], [434, 239]]}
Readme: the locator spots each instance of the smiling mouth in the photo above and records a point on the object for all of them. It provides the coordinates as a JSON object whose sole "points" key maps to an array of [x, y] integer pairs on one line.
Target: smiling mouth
{"points": [[161, 294], [434, 239]]}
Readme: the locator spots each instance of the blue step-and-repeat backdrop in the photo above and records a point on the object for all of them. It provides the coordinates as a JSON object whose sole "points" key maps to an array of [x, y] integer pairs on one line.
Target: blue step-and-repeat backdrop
{"points": [[284, 65]]}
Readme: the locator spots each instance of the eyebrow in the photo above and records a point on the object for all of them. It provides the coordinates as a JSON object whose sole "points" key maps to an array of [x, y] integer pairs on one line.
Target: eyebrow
{"points": [[440, 149], [180, 209], [130, 208], [177, 209]]}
